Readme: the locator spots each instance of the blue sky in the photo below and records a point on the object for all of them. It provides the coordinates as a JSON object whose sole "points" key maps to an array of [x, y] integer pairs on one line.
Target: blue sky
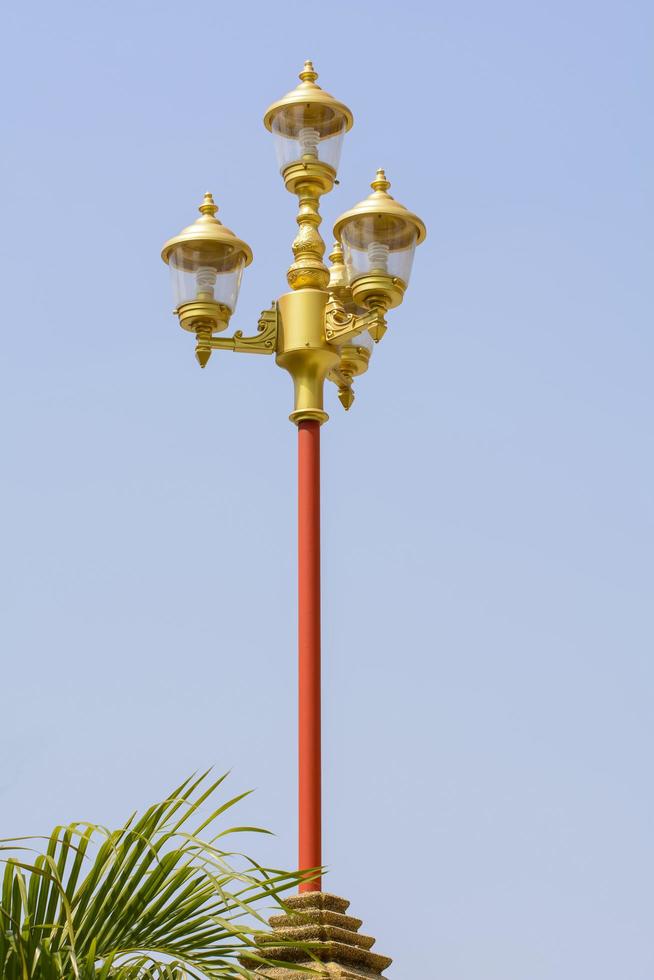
{"points": [[487, 503]]}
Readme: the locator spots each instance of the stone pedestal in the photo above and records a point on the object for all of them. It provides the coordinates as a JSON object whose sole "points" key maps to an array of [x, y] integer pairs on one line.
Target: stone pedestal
{"points": [[337, 949]]}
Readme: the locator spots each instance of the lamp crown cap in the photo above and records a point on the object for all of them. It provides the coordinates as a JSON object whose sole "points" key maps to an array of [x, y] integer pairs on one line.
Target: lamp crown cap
{"points": [[381, 203], [206, 233], [308, 73], [329, 115]]}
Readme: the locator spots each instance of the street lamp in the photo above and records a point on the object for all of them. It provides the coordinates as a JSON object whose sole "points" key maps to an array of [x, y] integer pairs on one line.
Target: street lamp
{"points": [[324, 329]]}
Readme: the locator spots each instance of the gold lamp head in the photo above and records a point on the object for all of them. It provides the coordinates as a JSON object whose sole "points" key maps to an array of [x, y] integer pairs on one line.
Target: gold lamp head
{"points": [[379, 237], [308, 125], [206, 260], [356, 352]]}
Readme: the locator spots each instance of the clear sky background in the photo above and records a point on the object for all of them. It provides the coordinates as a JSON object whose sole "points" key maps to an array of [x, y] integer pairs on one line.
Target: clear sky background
{"points": [[487, 503]]}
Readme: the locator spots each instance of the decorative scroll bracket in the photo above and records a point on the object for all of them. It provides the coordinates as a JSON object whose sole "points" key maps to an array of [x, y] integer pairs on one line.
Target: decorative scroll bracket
{"points": [[263, 342], [341, 326]]}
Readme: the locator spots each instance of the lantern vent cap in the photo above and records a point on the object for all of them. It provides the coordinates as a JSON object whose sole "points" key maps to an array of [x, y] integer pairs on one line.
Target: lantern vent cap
{"points": [[326, 114], [208, 233], [394, 218]]}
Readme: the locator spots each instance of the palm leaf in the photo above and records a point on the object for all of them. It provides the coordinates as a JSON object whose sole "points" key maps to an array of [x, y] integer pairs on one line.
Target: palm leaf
{"points": [[149, 901]]}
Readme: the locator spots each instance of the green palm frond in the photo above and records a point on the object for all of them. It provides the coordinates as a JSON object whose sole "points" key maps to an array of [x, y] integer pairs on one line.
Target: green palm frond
{"points": [[152, 900]]}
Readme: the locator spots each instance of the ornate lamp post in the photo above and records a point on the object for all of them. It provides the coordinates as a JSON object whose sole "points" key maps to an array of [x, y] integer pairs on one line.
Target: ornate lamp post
{"points": [[324, 329]]}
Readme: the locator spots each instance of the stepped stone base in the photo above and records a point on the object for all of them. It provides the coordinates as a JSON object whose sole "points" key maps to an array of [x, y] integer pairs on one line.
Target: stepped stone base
{"points": [[337, 950]]}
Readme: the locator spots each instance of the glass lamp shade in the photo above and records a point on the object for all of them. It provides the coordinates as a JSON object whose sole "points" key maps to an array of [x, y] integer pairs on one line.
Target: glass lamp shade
{"points": [[301, 135], [206, 273], [362, 339], [308, 124], [377, 244], [379, 235]]}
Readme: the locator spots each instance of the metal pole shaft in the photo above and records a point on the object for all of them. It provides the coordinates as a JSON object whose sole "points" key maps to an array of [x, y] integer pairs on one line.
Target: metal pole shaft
{"points": [[310, 821]]}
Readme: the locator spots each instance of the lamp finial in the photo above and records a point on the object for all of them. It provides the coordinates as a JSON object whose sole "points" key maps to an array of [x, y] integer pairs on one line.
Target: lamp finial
{"points": [[336, 254], [308, 73], [380, 183], [208, 205]]}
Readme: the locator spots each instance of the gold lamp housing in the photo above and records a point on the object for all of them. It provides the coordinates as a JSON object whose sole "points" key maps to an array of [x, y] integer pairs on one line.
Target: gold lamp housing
{"points": [[206, 261], [379, 237], [339, 288], [308, 126], [356, 349]]}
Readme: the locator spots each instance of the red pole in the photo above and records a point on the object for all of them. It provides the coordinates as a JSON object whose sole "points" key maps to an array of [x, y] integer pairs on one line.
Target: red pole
{"points": [[310, 829]]}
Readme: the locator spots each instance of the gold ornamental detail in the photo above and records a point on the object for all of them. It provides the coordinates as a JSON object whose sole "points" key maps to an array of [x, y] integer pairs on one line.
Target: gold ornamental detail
{"points": [[308, 271], [263, 342]]}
